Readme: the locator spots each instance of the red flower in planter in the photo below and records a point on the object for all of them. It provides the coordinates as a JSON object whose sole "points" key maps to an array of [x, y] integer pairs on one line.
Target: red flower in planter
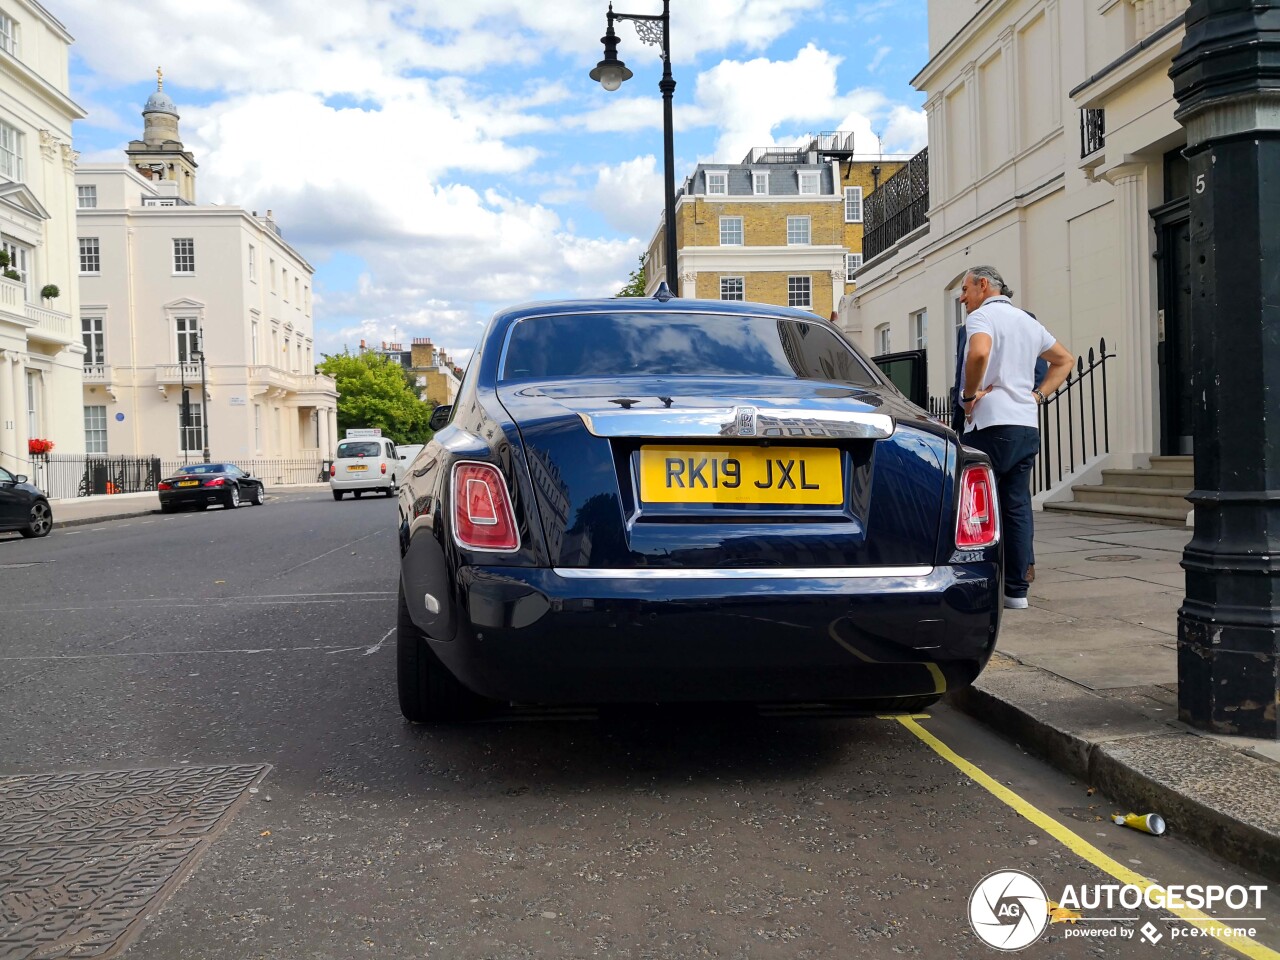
{"points": [[39, 447]]}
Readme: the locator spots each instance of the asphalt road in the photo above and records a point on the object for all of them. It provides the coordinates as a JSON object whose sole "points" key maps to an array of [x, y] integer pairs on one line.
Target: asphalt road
{"points": [[257, 646]]}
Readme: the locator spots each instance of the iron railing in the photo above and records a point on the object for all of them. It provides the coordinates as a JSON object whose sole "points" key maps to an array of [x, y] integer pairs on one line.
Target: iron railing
{"points": [[900, 206], [1093, 129], [1082, 402], [63, 476]]}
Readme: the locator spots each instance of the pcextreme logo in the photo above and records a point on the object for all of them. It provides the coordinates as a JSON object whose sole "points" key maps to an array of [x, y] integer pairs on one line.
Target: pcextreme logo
{"points": [[1008, 910]]}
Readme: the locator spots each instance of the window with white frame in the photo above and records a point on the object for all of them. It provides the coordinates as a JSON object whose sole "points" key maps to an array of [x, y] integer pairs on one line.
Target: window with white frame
{"points": [[731, 232], [184, 255], [90, 255], [95, 429], [159, 201], [271, 269], [86, 196], [8, 34], [35, 412], [717, 183], [798, 230], [732, 288], [188, 333], [882, 339], [852, 204], [11, 140], [253, 341], [190, 426], [809, 181], [19, 255], [257, 428], [799, 292], [253, 263], [760, 183], [919, 330], [297, 295], [94, 343], [306, 300], [852, 261]]}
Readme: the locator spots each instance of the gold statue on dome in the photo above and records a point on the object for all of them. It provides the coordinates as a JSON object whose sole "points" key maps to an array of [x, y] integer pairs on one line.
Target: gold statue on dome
{"points": [[159, 79]]}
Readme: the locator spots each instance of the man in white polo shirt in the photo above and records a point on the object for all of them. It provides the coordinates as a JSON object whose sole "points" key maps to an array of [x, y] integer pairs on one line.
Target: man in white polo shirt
{"points": [[1001, 406]]}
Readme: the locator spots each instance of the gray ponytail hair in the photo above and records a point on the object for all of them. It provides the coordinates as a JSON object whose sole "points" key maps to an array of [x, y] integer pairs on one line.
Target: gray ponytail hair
{"points": [[992, 276]]}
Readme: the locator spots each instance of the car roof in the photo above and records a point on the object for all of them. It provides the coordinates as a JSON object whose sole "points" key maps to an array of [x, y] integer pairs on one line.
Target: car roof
{"points": [[676, 305]]}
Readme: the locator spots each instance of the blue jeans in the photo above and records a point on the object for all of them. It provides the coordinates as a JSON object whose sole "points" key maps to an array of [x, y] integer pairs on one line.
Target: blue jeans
{"points": [[1013, 452]]}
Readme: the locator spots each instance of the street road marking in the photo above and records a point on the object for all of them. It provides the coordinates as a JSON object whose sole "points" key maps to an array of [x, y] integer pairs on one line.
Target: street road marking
{"points": [[378, 646], [196, 603], [326, 553], [1083, 848], [182, 653]]}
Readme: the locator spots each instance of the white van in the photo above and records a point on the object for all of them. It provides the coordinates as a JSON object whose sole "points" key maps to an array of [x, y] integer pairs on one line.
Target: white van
{"points": [[366, 463]]}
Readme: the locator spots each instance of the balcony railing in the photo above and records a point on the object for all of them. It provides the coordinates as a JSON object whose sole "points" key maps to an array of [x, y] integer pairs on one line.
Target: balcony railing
{"points": [[295, 382], [900, 206], [13, 296], [1150, 15], [179, 372], [97, 373], [50, 323], [1092, 131]]}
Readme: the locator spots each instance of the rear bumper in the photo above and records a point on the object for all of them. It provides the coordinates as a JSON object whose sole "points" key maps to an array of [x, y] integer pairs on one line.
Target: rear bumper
{"points": [[194, 496], [373, 481], [539, 635]]}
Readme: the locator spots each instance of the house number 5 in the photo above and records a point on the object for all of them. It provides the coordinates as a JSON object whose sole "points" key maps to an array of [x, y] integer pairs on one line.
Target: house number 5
{"points": [[1200, 183]]}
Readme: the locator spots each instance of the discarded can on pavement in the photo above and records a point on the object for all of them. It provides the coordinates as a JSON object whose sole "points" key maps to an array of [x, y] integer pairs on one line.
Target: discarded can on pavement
{"points": [[1151, 823]]}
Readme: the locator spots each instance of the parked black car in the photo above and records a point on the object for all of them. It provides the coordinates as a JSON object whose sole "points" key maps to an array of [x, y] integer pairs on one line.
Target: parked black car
{"points": [[679, 500], [23, 507], [202, 484]]}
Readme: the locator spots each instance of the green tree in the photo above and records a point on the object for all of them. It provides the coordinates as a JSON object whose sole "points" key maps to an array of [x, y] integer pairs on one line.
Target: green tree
{"points": [[374, 391], [635, 282]]}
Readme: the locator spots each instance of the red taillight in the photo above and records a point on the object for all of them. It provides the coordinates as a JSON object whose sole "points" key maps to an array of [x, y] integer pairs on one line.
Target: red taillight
{"points": [[384, 468], [164, 486], [333, 469], [482, 516], [215, 482], [979, 522]]}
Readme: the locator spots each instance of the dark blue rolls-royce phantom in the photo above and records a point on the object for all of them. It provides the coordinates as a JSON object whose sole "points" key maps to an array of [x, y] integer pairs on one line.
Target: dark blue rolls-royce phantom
{"points": [[662, 499]]}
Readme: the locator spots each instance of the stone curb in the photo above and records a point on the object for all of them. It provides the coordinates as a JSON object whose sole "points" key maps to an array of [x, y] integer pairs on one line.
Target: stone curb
{"points": [[134, 514], [1201, 787]]}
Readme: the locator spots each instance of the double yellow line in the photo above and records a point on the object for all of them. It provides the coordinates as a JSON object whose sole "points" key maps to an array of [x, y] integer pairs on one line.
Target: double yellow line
{"points": [[1083, 848]]}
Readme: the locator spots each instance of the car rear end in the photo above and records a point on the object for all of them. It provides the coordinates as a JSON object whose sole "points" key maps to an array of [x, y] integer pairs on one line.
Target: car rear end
{"points": [[362, 465], [794, 532], [190, 489]]}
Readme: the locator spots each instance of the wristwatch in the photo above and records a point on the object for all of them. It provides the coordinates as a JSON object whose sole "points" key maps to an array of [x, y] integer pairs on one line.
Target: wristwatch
{"points": [[1039, 396], [964, 399]]}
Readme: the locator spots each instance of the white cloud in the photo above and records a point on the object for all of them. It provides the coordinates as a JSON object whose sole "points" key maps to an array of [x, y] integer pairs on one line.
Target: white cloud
{"points": [[878, 59], [907, 130], [630, 196]]}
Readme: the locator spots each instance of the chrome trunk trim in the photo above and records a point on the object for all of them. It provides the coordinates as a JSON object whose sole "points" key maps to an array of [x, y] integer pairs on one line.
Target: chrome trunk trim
{"points": [[740, 573], [768, 423]]}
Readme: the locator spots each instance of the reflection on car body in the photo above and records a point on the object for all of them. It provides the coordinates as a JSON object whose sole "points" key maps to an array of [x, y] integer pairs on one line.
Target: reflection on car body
{"points": [[647, 500]]}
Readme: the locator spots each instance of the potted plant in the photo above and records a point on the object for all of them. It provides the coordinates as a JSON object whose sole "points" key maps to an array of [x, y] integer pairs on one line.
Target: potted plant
{"points": [[50, 291], [39, 448], [5, 269]]}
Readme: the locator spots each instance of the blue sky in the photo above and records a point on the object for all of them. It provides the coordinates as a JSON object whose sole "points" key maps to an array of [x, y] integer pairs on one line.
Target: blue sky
{"points": [[435, 160]]}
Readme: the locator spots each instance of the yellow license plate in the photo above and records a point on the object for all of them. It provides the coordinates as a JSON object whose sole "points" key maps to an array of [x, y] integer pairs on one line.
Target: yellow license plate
{"points": [[358, 466], [803, 475], [188, 483]]}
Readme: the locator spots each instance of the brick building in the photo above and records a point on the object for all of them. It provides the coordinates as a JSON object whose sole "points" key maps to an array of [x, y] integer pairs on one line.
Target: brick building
{"points": [[435, 375], [784, 226]]}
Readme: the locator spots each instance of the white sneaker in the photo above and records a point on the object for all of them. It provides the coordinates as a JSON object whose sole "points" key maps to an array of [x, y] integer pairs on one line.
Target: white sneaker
{"points": [[1015, 603]]}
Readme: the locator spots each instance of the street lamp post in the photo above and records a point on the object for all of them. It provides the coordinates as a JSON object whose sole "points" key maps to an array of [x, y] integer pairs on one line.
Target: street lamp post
{"points": [[611, 72], [198, 354], [184, 414]]}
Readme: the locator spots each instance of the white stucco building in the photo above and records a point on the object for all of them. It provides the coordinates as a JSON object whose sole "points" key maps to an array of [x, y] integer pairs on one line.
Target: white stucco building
{"points": [[40, 349], [163, 277], [1053, 155]]}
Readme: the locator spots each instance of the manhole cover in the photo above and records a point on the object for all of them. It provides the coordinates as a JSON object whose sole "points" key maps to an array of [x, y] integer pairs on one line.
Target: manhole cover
{"points": [[84, 856], [1114, 557]]}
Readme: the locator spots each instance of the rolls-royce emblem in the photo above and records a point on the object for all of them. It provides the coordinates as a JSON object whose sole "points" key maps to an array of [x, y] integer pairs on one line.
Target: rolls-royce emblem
{"points": [[746, 417]]}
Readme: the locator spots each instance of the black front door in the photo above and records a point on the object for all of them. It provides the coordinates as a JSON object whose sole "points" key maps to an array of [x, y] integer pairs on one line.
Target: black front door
{"points": [[1173, 227]]}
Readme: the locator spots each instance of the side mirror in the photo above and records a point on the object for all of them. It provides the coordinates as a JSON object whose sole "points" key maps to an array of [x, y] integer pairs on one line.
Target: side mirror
{"points": [[20, 478], [440, 416]]}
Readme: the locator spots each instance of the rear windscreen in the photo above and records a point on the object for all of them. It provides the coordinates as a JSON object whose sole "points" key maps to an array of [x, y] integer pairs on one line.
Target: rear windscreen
{"points": [[358, 448], [700, 345]]}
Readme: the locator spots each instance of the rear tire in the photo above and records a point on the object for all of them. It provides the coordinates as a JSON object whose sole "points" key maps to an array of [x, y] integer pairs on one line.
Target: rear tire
{"points": [[428, 691], [168, 508], [357, 493], [233, 498], [337, 494], [39, 521]]}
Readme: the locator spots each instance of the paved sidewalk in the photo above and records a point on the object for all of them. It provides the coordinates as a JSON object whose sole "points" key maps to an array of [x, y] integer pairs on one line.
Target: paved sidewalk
{"points": [[1088, 679]]}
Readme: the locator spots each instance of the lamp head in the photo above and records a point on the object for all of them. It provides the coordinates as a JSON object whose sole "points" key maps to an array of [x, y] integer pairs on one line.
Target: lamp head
{"points": [[610, 71]]}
